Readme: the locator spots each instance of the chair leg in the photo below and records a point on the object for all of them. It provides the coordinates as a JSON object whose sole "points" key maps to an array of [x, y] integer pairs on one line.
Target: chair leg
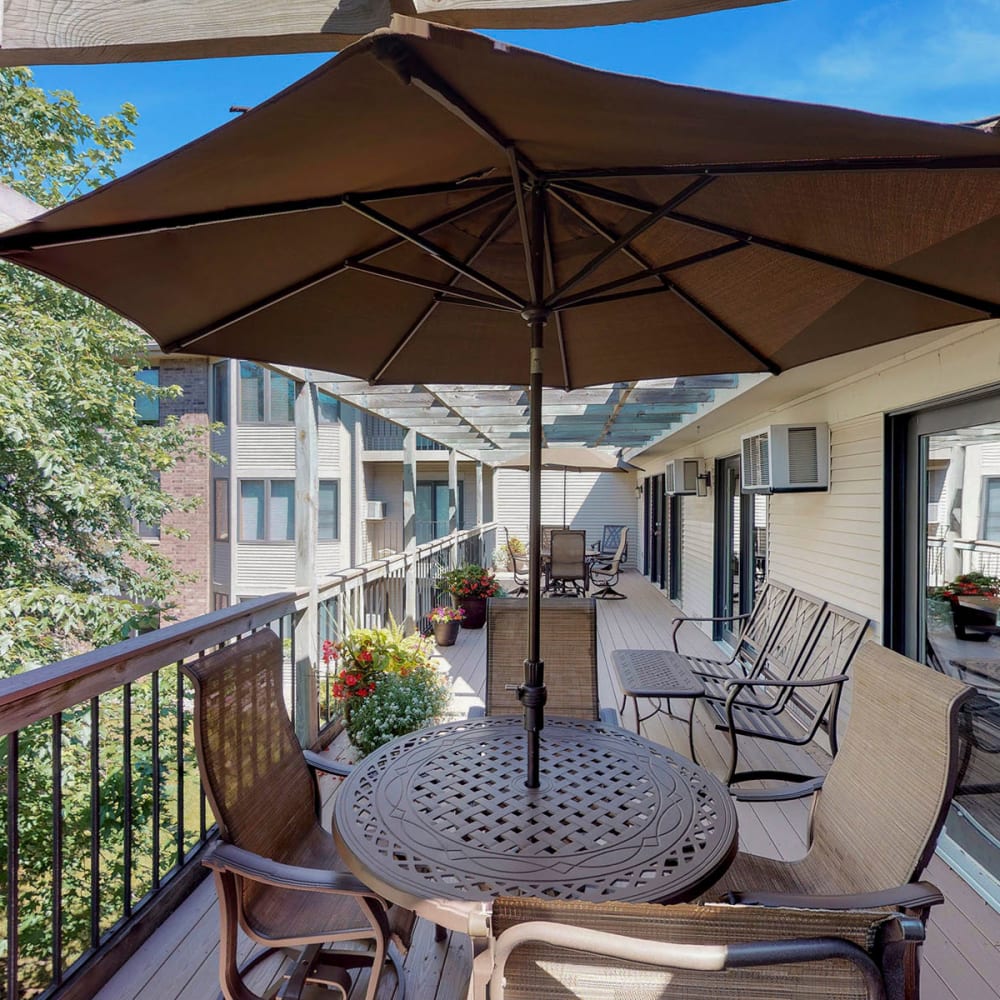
{"points": [[608, 593]]}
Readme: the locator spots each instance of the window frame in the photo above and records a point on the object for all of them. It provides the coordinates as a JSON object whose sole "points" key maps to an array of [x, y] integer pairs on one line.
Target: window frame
{"points": [[335, 483], [267, 416], [266, 540]]}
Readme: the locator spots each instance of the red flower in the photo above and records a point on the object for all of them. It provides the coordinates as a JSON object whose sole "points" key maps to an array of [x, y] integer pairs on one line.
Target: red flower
{"points": [[365, 656]]}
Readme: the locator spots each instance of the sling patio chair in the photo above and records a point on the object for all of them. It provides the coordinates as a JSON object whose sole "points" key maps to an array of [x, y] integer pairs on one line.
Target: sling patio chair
{"points": [[567, 572], [605, 574], [878, 811], [756, 628], [277, 872], [519, 567], [610, 536], [794, 689], [568, 950], [568, 650]]}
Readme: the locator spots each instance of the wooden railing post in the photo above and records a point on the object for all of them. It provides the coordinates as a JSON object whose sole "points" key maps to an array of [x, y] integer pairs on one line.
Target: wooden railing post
{"points": [[410, 528], [453, 503], [306, 537]]}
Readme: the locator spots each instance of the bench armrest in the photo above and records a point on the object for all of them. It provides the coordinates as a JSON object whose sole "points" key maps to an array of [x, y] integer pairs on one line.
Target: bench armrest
{"points": [[913, 896], [678, 622], [737, 683]]}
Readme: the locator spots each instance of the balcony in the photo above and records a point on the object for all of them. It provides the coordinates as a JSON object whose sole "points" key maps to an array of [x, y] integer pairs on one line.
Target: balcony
{"points": [[157, 891]]}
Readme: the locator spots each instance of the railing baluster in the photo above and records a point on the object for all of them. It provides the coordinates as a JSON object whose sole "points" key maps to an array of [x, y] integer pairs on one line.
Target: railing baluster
{"points": [[180, 766], [155, 736], [13, 864], [57, 847], [95, 822], [127, 793]]}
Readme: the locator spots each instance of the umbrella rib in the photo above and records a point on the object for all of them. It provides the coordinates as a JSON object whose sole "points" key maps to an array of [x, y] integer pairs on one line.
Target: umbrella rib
{"points": [[560, 333], [651, 219], [838, 263], [329, 272], [584, 298], [980, 161], [432, 250], [488, 236], [470, 297]]}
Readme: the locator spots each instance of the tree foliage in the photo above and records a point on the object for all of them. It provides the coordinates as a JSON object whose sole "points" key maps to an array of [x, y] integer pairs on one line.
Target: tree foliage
{"points": [[76, 469]]}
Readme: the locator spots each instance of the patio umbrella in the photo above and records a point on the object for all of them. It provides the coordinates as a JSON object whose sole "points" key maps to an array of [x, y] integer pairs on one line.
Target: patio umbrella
{"points": [[434, 206], [569, 458]]}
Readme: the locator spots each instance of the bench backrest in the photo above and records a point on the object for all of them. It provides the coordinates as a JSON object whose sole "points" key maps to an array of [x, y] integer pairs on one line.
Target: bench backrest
{"points": [[782, 655], [770, 602]]}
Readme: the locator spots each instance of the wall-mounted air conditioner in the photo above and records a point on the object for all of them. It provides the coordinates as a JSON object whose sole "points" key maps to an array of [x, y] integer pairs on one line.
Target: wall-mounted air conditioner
{"points": [[376, 510], [681, 476], [786, 458]]}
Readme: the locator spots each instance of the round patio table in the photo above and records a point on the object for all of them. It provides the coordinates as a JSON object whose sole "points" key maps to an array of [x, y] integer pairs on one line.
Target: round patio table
{"points": [[440, 821]]}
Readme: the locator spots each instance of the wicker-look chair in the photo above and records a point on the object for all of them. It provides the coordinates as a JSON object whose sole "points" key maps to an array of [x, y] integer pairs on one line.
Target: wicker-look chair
{"points": [[276, 868], [558, 950], [567, 569], [605, 574], [881, 806], [568, 650], [756, 628]]}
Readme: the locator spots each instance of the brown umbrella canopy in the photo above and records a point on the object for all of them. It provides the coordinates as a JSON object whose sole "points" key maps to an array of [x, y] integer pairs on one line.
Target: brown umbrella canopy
{"points": [[429, 203], [361, 220]]}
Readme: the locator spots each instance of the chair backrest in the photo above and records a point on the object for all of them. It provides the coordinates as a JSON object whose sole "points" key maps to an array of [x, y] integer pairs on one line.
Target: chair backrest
{"points": [[883, 802], [568, 650], [568, 555], [518, 560], [252, 768], [539, 969], [610, 537], [619, 551], [546, 534], [764, 617], [783, 652]]}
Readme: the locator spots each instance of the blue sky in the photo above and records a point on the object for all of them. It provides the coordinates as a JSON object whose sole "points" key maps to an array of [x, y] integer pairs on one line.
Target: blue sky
{"points": [[915, 58]]}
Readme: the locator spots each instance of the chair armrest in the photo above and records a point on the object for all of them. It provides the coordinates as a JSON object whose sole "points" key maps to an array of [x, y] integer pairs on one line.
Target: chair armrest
{"points": [[230, 858], [668, 954], [807, 786], [737, 683], [678, 622], [914, 896], [320, 763], [609, 716], [477, 712]]}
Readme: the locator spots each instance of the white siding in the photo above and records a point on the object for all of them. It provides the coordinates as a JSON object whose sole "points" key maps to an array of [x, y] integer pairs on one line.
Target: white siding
{"points": [[265, 449], [831, 543], [265, 568], [593, 499], [697, 538]]}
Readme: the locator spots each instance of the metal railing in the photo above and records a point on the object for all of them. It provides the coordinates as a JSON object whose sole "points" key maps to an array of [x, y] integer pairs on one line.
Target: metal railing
{"points": [[973, 556], [103, 816], [378, 434]]}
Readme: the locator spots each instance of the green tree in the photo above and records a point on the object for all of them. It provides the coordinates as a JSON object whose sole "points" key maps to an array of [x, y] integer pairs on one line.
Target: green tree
{"points": [[77, 471]]}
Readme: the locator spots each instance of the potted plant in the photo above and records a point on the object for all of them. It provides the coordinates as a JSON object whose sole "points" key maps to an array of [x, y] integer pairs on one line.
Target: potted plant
{"points": [[470, 585], [968, 621], [446, 622]]}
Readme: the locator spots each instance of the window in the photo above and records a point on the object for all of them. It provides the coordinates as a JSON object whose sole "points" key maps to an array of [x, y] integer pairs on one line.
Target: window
{"points": [[147, 408], [265, 396], [220, 515], [329, 409], [267, 510], [220, 601], [329, 510], [432, 509], [220, 392], [991, 508]]}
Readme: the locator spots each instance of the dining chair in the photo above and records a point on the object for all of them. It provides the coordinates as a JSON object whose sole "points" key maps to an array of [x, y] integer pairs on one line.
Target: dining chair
{"points": [[567, 568], [519, 567], [879, 809], [277, 872], [568, 650], [605, 574], [569, 950]]}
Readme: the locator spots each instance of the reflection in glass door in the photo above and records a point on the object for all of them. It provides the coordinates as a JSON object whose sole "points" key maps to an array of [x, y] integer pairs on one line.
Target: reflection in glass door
{"points": [[740, 546], [953, 516]]}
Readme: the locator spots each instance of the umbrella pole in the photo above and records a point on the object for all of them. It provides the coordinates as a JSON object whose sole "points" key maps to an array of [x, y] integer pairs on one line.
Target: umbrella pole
{"points": [[532, 692]]}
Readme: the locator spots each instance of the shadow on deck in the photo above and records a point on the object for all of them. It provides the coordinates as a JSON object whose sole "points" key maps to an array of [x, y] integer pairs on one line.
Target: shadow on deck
{"points": [[960, 960]]}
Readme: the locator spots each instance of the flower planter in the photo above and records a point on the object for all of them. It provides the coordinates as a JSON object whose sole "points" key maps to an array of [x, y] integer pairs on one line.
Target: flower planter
{"points": [[475, 611], [445, 633]]}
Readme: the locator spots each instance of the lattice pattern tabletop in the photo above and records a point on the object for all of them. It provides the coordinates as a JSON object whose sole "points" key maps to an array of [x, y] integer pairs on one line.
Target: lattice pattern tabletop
{"points": [[443, 814]]}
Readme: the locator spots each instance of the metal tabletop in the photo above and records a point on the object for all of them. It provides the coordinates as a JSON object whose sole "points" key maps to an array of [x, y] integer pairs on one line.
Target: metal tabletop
{"points": [[440, 820]]}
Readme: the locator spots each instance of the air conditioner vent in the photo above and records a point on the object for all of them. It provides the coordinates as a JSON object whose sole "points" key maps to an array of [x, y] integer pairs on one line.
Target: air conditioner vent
{"points": [[375, 510], [681, 476], [786, 458]]}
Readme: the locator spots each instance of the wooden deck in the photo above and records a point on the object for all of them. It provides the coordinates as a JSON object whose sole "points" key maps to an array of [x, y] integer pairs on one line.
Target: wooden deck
{"points": [[960, 960]]}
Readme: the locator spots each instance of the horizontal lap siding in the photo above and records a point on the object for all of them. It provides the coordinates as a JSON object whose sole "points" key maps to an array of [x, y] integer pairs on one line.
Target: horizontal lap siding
{"points": [[697, 534], [830, 543]]}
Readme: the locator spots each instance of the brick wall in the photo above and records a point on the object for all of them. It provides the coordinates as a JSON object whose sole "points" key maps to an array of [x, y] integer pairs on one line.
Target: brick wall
{"points": [[191, 477]]}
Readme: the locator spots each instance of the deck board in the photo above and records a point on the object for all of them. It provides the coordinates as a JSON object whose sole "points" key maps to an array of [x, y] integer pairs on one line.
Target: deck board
{"points": [[960, 960]]}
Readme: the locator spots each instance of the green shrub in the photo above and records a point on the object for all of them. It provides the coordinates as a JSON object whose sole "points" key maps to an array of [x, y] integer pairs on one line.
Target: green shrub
{"points": [[399, 704]]}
